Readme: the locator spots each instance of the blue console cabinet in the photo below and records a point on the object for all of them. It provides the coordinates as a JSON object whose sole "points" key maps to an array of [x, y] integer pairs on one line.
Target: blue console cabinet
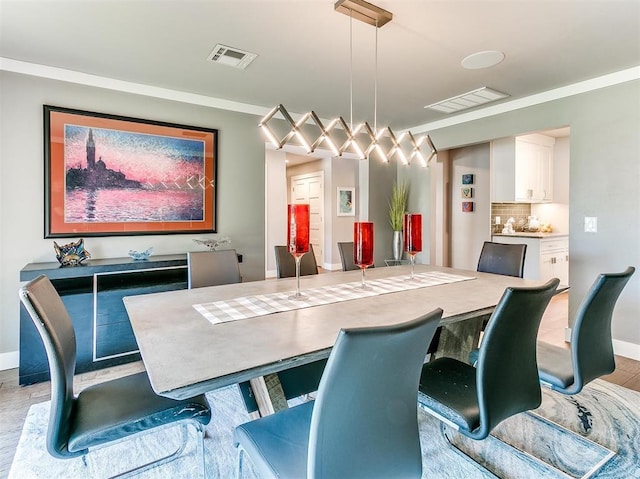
{"points": [[93, 296]]}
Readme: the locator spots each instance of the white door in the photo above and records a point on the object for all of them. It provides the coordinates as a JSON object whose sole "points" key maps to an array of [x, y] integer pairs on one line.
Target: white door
{"points": [[309, 188]]}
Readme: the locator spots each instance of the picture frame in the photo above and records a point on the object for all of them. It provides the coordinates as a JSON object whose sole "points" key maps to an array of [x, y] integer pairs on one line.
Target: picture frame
{"points": [[466, 192], [346, 201], [467, 179], [467, 206], [109, 175]]}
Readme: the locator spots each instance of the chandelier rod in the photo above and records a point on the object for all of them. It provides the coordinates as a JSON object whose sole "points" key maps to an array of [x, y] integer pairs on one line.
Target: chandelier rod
{"points": [[351, 68], [375, 86]]}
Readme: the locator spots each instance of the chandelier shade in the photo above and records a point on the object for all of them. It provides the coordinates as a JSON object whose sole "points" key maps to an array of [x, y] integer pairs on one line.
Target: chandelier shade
{"points": [[310, 133]]}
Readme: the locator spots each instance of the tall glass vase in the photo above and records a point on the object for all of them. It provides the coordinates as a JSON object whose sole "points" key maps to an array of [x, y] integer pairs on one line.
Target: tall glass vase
{"points": [[363, 246], [412, 237], [298, 238]]}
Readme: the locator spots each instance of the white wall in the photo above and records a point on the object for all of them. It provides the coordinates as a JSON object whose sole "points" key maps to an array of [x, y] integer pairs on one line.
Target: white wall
{"points": [[344, 172], [275, 203], [470, 230]]}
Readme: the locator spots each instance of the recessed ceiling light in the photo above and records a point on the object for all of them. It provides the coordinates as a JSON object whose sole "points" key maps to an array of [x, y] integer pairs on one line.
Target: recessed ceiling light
{"points": [[467, 100], [479, 60]]}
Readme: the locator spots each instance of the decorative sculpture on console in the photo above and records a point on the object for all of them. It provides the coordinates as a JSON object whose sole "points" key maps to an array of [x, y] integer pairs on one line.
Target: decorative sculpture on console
{"points": [[72, 254], [213, 243]]}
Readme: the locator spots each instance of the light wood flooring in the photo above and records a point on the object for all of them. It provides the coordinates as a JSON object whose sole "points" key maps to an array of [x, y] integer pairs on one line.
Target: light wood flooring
{"points": [[15, 400]]}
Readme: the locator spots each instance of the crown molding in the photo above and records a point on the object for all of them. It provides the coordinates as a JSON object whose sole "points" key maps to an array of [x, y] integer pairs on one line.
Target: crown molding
{"points": [[55, 73]]}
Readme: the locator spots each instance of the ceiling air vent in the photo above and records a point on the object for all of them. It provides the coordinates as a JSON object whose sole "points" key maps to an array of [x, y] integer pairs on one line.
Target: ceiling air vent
{"points": [[232, 57], [467, 100]]}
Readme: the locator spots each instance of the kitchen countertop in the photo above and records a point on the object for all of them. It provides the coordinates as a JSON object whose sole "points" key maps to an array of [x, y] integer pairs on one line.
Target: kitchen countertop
{"points": [[531, 234]]}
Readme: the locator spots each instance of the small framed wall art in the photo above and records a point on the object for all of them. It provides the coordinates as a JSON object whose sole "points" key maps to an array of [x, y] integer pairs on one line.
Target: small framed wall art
{"points": [[466, 192], [346, 201], [467, 206], [467, 179]]}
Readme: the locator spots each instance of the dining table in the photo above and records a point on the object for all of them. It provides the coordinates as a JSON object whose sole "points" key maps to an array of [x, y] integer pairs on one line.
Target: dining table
{"points": [[194, 340]]}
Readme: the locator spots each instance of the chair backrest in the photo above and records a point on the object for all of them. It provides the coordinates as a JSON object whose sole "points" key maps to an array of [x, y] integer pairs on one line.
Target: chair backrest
{"points": [[364, 421], [286, 264], [505, 259], [507, 371], [591, 344], [346, 255], [212, 268], [54, 325]]}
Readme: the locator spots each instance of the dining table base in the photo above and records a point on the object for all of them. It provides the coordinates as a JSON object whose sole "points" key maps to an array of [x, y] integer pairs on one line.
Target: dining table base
{"points": [[457, 340]]}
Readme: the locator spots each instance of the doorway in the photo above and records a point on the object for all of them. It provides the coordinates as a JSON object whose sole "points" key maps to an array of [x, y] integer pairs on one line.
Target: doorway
{"points": [[309, 188]]}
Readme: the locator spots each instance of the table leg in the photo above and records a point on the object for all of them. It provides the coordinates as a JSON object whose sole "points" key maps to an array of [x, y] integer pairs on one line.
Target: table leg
{"points": [[268, 393], [457, 340]]}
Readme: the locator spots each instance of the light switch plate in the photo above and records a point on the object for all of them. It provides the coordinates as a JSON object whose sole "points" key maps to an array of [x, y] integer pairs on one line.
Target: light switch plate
{"points": [[590, 224]]}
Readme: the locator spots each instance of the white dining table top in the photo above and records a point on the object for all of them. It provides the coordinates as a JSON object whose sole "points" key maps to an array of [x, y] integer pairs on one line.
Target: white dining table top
{"points": [[184, 354]]}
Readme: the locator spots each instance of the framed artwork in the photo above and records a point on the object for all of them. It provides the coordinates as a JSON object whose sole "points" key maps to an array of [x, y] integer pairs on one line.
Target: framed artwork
{"points": [[467, 206], [466, 192], [346, 201], [467, 179], [113, 175]]}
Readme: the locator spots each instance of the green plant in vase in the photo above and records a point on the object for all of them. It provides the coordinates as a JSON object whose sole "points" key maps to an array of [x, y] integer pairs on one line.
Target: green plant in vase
{"points": [[397, 209]]}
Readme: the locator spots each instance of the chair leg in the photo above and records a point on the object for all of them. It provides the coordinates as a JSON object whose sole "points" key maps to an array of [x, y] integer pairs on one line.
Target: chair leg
{"points": [[464, 455], [175, 454], [535, 462], [608, 454], [240, 462]]}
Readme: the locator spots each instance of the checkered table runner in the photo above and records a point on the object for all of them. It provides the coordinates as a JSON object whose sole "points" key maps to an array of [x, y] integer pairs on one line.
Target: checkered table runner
{"points": [[261, 305]]}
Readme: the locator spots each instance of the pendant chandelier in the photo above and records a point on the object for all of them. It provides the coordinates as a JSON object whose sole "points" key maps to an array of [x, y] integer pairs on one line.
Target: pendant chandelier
{"points": [[342, 137]]}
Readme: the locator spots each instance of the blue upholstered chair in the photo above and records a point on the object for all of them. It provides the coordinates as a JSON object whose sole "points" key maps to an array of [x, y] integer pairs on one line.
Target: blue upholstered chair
{"points": [[364, 420], [505, 380], [286, 264], [212, 268], [345, 248], [109, 411], [591, 354], [504, 259], [346, 255]]}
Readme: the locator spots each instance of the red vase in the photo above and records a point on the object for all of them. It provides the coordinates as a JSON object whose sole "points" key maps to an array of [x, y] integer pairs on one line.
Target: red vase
{"points": [[298, 229], [363, 243], [413, 233]]}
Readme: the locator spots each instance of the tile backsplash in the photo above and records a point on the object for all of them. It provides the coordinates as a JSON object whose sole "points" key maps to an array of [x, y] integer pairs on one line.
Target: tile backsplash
{"points": [[517, 211]]}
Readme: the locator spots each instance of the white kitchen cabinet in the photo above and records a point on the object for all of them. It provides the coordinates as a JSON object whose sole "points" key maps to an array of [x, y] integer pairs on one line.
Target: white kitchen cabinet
{"points": [[554, 259], [522, 169], [546, 257]]}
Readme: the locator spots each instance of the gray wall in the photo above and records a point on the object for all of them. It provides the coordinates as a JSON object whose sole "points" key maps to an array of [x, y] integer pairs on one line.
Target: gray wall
{"points": [[241, 182], [604, 179], [469, 230], [418, 178]]}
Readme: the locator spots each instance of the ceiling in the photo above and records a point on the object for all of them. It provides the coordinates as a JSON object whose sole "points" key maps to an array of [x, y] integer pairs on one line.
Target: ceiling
{"points": [[303, 48]]}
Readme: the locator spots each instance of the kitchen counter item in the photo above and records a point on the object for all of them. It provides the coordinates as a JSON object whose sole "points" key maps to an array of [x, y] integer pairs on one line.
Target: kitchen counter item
{"points": [[533, 234]]}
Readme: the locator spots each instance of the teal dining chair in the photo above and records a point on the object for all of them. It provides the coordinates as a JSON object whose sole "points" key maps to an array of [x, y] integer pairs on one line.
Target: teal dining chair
{"points": [[107, 412], [364, 420], [591, 351], [474, 400]]}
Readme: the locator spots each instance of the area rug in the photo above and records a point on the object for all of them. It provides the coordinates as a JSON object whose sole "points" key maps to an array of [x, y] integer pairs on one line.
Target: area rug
{"points": [[605, 413]]}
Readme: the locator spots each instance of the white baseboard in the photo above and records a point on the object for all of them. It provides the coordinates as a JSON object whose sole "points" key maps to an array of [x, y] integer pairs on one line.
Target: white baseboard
{"points": [[10, 360], [628, 350], [332, 267]]}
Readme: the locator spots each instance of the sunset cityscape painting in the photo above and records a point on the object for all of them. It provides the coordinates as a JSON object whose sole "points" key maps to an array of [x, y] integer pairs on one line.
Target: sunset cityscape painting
{"points": [[152, 179]]}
